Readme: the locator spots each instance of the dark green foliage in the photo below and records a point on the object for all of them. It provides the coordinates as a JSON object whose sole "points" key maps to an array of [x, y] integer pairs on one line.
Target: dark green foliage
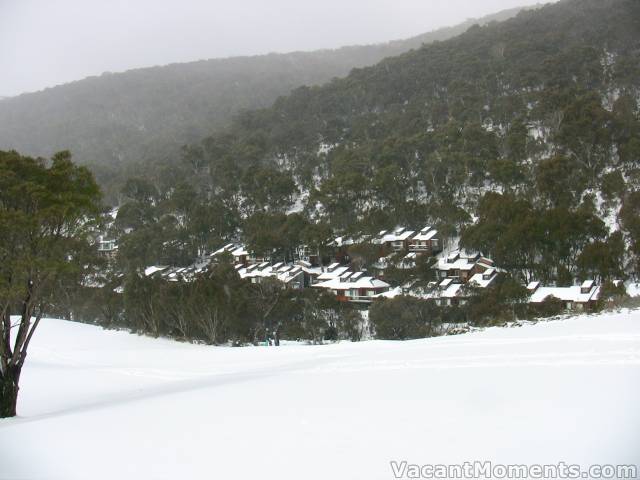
{"points": [[612, 294], [47, 210], [549, 307], [603, 260], [560, 181], [217, 307], [613, 186], [533, 242], [528, 108], [519, 106], [404, 318], [505, 300], [115, 121], [275, 234]]}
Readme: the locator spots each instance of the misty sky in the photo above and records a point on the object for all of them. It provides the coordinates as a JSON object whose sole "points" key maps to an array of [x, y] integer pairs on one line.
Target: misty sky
{"points": [[48, 42]]}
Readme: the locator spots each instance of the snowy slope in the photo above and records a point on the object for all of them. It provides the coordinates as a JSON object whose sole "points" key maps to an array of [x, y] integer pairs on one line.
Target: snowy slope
{"points": [[103, 404]]}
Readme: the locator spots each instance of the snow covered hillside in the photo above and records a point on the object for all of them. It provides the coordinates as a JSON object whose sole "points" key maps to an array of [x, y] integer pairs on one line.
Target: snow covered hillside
{"points": [[104, 404]]}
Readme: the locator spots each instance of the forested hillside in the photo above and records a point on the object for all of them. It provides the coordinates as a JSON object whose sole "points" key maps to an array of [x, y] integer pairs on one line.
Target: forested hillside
{"points": [[529, 126], [115, 120]]}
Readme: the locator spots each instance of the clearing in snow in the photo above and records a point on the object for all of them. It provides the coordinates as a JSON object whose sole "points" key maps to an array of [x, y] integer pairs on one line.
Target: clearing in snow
{"points": [[105, 404]]}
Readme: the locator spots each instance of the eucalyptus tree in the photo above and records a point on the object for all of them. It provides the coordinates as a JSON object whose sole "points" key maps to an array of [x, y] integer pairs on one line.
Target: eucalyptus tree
{"points": [[47, 211]]}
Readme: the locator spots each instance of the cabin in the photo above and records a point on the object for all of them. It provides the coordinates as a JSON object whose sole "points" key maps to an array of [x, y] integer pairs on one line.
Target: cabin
{"points": [[240, 255], [462, 266], [447, 292], [310, 273], [355, 287], [578, 297], [292, 276], [395, 241], [426, 242]]}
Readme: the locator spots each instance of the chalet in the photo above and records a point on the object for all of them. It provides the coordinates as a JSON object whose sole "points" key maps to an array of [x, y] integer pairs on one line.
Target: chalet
{"points": [[354, 287], [451, 292], [484, 279], [448, 292], [256, 272], [462, 266], [427, 242], [396, 241], [577, 297], [291, 276], [240, 255], [310, 273], [332, 271]]}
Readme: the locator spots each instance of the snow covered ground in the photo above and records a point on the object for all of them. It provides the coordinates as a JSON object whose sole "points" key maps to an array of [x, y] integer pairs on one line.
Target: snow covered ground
{"points": [[101, 404]]}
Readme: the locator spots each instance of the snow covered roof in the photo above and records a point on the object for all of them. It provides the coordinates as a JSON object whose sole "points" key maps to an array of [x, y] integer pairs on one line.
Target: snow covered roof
{"points": [[446, 282], [333, 274], [587, 284], [393, 293], [226, 248], [449, 290], [533, 286], [239, 252], [566, 294], [459, 264], [403, 236], [398, 235], [151, 270], [428, 235], [316, 272], [483, 280], [461, 261], [361, 282], [340, 241]]}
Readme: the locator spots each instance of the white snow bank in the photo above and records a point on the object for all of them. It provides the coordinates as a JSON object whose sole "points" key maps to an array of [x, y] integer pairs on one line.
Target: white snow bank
{"points": [[102, 404]]}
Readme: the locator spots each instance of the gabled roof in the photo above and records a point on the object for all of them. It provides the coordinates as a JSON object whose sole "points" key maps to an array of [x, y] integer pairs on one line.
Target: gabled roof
{"points": [[566, 294], [239, 252], [461, 261], [226, 248], [483, 280], [428, 235], [336, 273], [363, 282], [151, 270]]}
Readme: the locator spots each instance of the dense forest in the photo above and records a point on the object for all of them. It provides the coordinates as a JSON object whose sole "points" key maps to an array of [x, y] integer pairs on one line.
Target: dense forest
{"points": [[529, 126], [519, 139], [115, 121]]}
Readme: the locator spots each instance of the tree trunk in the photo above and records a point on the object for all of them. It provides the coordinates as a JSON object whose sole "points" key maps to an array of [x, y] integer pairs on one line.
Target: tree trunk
{"points": [[9, 393]]}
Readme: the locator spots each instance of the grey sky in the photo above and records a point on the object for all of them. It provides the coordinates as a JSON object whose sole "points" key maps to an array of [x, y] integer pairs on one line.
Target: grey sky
{"points": [[48, 42]]}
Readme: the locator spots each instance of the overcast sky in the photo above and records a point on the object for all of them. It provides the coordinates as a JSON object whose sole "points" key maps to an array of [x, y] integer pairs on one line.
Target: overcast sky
{"points": [[48, 42]]}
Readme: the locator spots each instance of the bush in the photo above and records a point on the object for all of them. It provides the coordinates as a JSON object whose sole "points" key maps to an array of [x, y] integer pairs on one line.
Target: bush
{"points": [[404, 318], [549, 307]]}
